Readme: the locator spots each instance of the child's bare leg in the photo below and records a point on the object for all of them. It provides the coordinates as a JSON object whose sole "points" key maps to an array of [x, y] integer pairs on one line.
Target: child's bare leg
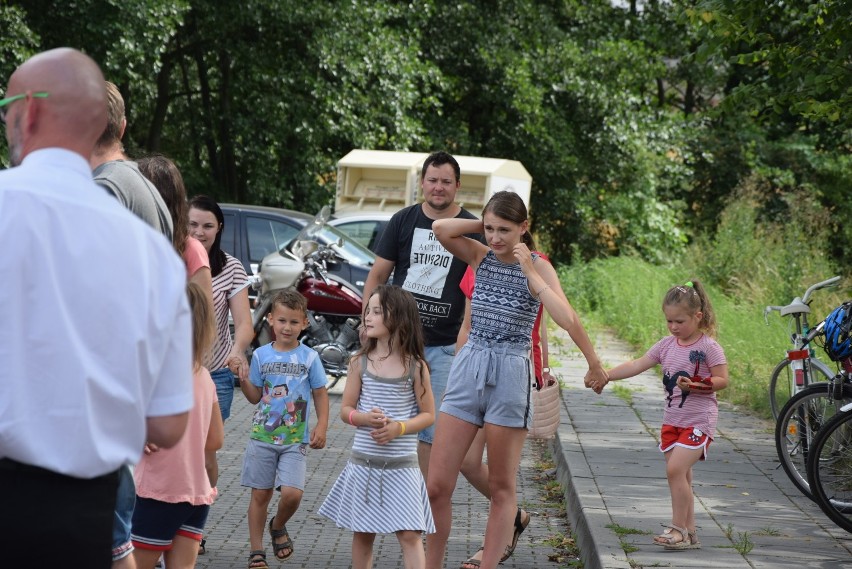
{"points": [[679, 463], [183, 554], [362, 550], [411, 542], [258, 505], [288, 503], [146, 558]]}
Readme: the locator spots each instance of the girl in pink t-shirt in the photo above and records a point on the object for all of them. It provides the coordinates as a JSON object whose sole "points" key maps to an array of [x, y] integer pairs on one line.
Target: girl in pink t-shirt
{"points": [[175, 486], [694, 369]]}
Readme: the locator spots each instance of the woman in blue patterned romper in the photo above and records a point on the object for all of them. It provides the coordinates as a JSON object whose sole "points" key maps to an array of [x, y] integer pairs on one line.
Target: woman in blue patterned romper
{"points": [[389, 399], [490, 381]]}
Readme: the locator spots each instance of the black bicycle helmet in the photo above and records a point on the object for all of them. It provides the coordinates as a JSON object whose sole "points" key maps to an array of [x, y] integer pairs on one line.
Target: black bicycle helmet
{"points": [[838, 344]]}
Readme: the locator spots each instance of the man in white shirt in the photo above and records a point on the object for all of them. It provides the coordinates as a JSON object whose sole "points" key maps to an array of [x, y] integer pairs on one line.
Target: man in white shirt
{"points": [[95, 341]]}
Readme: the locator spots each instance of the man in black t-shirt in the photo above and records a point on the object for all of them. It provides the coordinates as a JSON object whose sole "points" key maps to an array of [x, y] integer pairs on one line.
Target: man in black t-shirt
{"points": [[422, 266]]}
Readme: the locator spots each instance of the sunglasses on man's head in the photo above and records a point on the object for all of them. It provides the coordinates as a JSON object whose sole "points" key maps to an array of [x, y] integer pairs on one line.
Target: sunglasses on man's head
{"points": [[13, 98]]}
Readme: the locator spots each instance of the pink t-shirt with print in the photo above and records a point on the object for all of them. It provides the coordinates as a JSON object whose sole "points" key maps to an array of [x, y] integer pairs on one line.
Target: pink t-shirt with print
{"points": [[688, 409]]}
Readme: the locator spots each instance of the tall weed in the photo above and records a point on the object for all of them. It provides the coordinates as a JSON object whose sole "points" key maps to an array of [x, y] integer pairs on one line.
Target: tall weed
{"points": [[770, 245]]}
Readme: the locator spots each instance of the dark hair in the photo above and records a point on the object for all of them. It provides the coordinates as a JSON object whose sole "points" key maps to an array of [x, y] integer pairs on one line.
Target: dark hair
{"points": [[439, 159], [291, 299], [399, 312], [115, 114], [203, 321], [694, 297], [217, 256], [509, 206], [164, 174]]}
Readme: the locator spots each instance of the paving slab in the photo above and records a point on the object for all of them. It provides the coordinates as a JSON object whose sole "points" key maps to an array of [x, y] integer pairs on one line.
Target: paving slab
{"points": [[319, 544], [749, 514]]}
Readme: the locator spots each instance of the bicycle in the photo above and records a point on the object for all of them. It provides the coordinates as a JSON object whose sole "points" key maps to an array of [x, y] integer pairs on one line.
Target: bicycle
{"points": [[800, 367], [807, 412], [802, 418], [830, 468]]}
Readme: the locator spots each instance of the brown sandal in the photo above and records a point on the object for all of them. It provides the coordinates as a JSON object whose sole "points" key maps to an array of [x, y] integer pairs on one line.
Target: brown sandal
{"points": [[278, 547], [472, 563], [257, 559]]}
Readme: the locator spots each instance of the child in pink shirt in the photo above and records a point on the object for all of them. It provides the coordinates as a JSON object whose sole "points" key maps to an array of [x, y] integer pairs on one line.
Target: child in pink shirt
{"points": [[175, 486]]}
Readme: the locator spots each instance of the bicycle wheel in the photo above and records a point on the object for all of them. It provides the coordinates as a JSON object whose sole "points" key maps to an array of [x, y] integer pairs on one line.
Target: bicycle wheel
{"points": [[800, 420], [782, 380], [830, 469]]}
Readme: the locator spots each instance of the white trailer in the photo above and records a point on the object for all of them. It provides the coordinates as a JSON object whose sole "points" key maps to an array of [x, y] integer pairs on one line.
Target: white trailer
{"points": [[386, 181]]}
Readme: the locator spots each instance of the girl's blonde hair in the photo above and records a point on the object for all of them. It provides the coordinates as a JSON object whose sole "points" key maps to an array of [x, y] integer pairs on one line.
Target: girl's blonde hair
{"points": [[203, 323], [693, 296]]}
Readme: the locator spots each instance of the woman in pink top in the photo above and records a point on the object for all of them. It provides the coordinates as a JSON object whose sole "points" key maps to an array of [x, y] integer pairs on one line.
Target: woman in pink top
{"points": [[164, 174], [175, 486]]}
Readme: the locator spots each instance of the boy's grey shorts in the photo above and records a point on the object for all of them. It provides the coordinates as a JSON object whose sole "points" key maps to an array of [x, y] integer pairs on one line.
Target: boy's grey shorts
{"points": [[268, 466], [490, 383]]}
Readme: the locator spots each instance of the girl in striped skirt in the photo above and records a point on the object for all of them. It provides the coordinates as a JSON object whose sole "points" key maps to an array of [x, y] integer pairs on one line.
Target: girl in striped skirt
{"points": [[388, 399]]}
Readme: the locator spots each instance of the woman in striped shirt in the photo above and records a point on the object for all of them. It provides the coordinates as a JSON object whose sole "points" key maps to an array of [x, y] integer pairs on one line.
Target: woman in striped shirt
{"points": [[230, 296]]}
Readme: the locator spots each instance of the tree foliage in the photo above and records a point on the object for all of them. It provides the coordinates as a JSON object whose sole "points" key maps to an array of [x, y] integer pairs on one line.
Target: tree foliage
{"points": [[636, 120], [790, 60]]}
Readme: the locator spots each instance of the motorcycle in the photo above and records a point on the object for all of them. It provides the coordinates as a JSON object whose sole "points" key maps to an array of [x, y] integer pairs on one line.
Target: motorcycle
{"points": [[334, 305]]}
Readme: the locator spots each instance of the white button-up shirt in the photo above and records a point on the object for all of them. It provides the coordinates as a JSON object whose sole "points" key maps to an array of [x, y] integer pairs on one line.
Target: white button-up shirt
{"points": [[95, 330]]}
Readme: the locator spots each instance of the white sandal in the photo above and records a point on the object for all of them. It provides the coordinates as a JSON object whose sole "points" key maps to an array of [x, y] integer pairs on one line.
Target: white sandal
{"points": [[666, 535], [667, 538], [691, 542]]}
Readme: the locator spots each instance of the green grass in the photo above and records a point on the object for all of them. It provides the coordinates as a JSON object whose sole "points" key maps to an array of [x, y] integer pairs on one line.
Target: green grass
{"points": [[621, 531], [623, 392]]}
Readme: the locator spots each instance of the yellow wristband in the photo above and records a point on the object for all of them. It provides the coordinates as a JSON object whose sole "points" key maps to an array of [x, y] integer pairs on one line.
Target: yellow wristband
{"points": [[401, 428]]}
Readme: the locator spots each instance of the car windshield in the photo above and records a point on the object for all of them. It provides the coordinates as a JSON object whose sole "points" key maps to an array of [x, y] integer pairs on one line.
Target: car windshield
{"points": [[351, 250]]}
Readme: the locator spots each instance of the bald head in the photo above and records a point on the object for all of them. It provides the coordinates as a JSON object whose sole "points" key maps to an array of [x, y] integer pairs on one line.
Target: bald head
{"points": [[74, 113]]}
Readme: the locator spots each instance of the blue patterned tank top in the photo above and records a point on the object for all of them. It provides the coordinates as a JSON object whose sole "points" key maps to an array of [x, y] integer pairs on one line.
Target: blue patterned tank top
{"points": [[502, 308]]}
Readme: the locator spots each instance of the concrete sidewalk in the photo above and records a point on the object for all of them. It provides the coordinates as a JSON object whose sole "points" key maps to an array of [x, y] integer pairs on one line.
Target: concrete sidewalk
{"points": [[319, 544], [615, 482]]}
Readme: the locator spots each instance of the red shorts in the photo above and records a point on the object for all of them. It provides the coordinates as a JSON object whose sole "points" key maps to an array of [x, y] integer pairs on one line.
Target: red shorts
{"points": [[687, 437]]}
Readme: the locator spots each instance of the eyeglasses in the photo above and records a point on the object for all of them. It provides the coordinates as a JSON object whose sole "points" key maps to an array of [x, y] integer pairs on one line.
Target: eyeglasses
{"points": [[12, 99]]}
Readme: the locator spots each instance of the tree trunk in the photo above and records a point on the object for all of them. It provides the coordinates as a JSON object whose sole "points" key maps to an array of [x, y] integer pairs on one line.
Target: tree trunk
{"points": [[226, 140], [207, 113], [161, 107]]}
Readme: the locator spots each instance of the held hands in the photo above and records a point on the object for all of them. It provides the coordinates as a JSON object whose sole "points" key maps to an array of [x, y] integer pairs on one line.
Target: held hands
{"points": [[239, 366], [596, 378]]}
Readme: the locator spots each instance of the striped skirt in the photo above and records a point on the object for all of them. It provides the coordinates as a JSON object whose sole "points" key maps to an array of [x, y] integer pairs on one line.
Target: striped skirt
{"points": [[380, 495]]}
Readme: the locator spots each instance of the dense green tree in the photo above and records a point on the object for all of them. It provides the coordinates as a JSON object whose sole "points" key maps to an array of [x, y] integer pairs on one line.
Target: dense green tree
{"points": [[789, 60], [637, 120]]}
